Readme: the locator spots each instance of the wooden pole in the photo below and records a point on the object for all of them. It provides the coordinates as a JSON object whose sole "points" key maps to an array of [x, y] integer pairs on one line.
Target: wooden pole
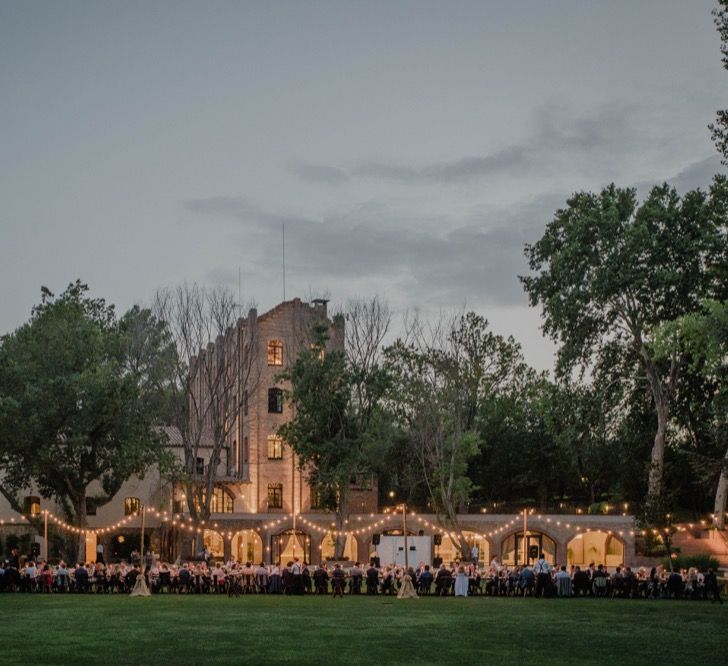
{"points": [[293, 480], [141, 555], [525, 532], [404, 529], [45, 536]]}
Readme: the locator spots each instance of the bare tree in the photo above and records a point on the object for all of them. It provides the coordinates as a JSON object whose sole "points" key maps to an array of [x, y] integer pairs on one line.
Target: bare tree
{"points": [[213, 371], [443, 372]]}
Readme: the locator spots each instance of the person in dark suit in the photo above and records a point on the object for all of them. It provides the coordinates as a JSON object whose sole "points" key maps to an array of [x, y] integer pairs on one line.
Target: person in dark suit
{"points": [[582, 584], [711, 587], [321, 580], [372, 579], [338, 578]]}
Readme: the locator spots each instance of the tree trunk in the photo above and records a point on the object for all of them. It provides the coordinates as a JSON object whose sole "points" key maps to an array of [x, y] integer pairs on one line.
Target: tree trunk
{"points": [[342, 514], [657, 463], [79, 508], [721, 495]]}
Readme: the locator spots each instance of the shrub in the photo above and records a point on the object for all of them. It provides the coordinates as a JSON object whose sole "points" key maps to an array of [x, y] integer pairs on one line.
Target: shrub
{"points": [[702, 562]]}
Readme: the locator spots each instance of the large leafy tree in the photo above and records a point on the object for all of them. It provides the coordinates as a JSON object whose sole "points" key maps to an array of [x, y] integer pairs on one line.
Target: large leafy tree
{"points": [[719, 129], [703, 336], [442, 374], [608, 271], [340, 429], [72, 412]]}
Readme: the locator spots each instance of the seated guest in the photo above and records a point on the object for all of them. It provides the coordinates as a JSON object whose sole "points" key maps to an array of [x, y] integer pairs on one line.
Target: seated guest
{"points": [[599, 581], [388, 581], [563, 582], [581, 582], [443, 580], [261, 578], [275, 585], [526, 581], [425, 583]]}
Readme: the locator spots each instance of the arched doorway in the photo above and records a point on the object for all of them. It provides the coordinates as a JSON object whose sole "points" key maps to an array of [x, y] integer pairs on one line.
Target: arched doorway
{"points": [[214, 543], [598, 547], [328, 548], [247, 546], [287, 545], [449, 552], [536, 542]]}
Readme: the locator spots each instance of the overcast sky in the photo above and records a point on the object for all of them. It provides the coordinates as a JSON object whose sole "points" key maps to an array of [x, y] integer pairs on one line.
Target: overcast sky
{"points": [[410, 148]]}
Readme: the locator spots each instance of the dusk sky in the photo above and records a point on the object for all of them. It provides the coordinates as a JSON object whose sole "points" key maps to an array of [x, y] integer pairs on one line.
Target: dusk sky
{"points": [[410, 148]]}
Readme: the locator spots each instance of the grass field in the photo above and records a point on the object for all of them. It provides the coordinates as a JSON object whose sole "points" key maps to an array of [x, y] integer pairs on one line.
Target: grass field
{"points": [[172, 629]]}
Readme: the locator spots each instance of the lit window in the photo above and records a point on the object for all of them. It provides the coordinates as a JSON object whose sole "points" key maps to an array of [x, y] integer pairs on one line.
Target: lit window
{"points": [[275, 401], [275, 447], [32, 506], [275, 352], [321, 351], [221, 502], [275, 495], [132, 505]]}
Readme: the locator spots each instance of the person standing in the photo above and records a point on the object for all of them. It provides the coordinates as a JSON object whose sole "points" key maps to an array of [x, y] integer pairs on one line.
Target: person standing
{"points": [[338, 578], [461, 583], [296, 571], [542, 569], [712, 587], [372, 579]]}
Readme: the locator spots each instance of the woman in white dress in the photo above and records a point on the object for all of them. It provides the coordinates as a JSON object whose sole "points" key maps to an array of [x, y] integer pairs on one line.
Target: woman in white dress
{"points": [[461, 583]]}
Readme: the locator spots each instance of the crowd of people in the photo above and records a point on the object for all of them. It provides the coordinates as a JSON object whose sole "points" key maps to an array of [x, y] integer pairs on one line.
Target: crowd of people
{"points": [[232, 578]]}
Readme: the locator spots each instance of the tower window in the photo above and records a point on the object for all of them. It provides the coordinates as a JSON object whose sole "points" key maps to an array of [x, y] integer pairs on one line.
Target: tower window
{"points": [[275, 352]]}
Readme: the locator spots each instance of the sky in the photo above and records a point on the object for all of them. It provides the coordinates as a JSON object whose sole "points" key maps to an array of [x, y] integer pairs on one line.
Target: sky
{"points": [[410, 149]]}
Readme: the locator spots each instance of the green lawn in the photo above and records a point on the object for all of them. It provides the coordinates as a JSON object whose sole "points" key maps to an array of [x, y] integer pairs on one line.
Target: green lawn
{"points": [[173, 629]]}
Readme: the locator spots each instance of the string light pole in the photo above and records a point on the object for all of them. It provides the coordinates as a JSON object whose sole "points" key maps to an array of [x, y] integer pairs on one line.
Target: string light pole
{"points": [[45, 535]]}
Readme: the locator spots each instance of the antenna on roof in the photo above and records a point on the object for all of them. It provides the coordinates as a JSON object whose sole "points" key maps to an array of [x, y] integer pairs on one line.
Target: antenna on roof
{"points": [[240, 304], [284, 261]]}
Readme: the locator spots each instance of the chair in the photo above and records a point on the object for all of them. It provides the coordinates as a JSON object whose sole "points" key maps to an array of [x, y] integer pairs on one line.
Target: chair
{"points": [[563, 586]]}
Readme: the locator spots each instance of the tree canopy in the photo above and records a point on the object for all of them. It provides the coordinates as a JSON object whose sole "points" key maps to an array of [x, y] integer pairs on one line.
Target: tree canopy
{"points": [[72, 409]]}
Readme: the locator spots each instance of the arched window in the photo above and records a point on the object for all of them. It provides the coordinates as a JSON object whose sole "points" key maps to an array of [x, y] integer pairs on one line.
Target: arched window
{"points": [[536, 543], [275, 352]]}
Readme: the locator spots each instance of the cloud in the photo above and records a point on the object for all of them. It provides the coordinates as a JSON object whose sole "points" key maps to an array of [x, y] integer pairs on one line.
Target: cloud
{"points": [[589, 142], [442, 260], [319, 173]]}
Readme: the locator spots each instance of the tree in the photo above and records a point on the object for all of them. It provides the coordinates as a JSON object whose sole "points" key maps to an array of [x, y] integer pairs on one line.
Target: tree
{"points": [[210, 369], [72, 412], [340, 430], [442, 374], [608, 271], [719, 129], [704, 338]]}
